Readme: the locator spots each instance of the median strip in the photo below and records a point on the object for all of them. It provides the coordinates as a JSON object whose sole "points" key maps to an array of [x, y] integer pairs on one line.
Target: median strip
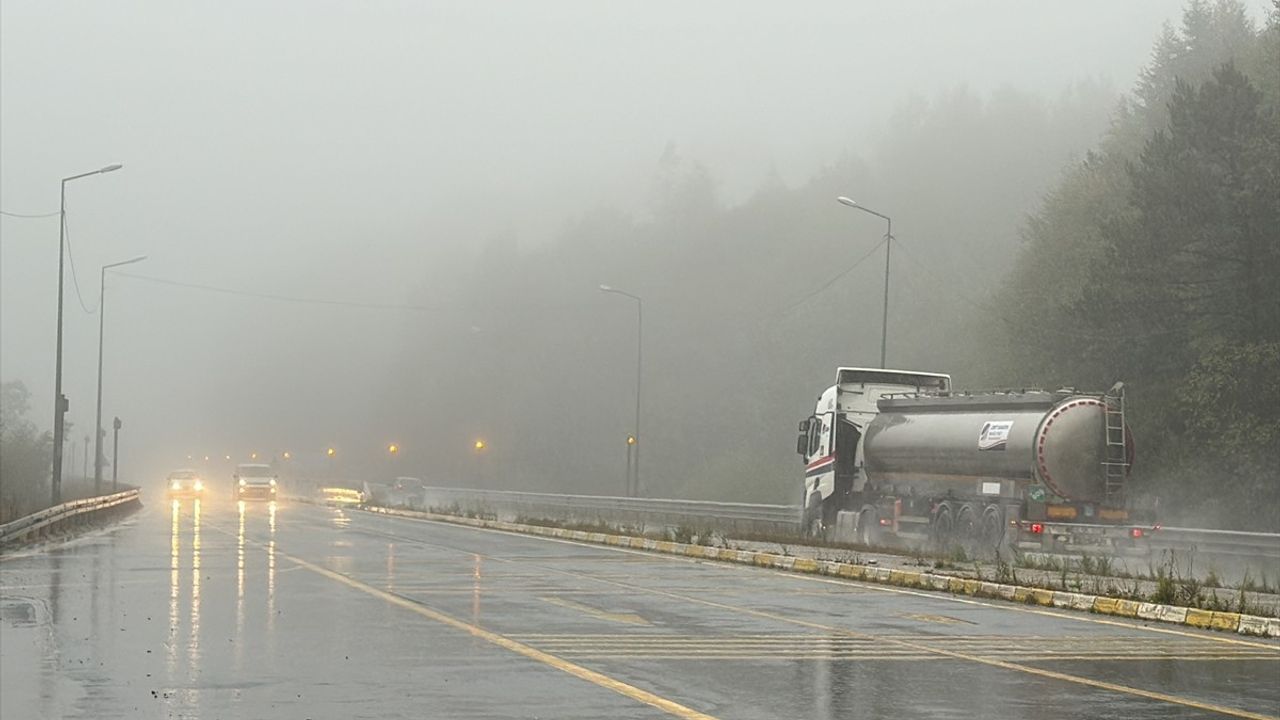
{"points": [[1205, 619]]}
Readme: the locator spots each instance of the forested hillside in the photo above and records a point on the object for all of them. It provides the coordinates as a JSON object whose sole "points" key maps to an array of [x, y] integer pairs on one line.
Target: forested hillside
{"points": [[748, 307], [1157, 260], [1068, 240]]}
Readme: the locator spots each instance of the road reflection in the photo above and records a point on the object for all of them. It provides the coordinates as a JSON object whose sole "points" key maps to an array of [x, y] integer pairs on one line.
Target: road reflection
{"points": [[475, 590], [238, 641], [193, 640], [175, 585], [391, 567], [271, 573]]}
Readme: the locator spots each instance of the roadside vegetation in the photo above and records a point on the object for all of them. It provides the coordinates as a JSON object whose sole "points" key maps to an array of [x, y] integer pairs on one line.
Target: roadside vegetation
{"points": [[25, 455], [1154, 261]]}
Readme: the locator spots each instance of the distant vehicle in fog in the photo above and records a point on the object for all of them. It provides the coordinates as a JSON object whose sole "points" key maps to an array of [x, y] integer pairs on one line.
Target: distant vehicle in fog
{"points": [[184, 483], [254, 482]]}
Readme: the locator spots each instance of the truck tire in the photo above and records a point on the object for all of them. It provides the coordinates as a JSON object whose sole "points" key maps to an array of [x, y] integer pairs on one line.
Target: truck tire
{"points": [[942, 527], [991, 530], [811, 519], [868, 531]]}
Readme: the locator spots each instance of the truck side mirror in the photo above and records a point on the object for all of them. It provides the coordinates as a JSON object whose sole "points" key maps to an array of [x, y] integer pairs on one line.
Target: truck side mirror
{"points": [[804, 425]]}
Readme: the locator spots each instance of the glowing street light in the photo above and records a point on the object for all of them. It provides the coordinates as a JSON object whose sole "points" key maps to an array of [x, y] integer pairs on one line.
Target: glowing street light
{"points": [[253, 456], [479, 445], [330, 452], [393, 448], [287, 455]]}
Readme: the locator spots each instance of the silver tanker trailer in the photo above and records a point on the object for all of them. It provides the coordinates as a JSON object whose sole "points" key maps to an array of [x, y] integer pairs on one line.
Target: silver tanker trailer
{"points": [[897, 455]]}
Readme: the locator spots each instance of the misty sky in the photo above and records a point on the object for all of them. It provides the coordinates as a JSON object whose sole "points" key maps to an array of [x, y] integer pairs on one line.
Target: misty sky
{"points": [[338, 150]]}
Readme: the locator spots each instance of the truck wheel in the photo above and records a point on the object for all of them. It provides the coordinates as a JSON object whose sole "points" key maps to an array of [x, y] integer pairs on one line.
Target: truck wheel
{"points": [[943, 527], [868, 526], [991, 529], [811, 520]]}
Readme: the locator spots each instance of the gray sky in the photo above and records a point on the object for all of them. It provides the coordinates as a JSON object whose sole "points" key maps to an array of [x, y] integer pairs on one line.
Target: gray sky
{"points": [[333, 149]]}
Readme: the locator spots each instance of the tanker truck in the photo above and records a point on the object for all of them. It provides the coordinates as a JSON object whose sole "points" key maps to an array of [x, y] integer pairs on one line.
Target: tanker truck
{"points": [[897, 457]]}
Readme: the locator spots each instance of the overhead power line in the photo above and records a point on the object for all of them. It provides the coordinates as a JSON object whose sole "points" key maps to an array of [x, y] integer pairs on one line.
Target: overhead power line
{"points": [[281, 298], [833, 280], [66, 229], [29, 215]]}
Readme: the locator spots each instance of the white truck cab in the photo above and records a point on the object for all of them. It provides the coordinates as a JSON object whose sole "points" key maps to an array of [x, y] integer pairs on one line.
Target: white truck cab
{"points": [[830, 440]]}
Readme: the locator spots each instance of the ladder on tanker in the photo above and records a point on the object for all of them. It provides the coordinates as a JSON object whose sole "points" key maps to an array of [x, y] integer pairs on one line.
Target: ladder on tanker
{"points": [[1115, 462]]}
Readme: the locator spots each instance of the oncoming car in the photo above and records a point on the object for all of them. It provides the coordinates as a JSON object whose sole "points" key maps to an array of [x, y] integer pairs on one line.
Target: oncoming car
{"points": [[184, 483], [254, 482]]}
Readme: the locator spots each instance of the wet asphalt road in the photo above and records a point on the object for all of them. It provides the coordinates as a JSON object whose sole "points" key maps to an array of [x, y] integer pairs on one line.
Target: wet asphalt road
{"points": [[294, 611]]}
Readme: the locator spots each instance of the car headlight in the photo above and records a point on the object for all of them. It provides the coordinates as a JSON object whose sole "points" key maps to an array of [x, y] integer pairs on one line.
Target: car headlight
{"points": [[175, 485], [242, 482], [199, 486]]}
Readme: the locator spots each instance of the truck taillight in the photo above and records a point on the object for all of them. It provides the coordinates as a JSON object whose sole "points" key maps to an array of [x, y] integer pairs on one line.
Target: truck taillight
{"points": [[1135, 533], [1037, 528]]}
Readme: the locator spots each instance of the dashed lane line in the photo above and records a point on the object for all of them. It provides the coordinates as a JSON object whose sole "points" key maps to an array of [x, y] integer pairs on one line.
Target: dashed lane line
{"points": [[600, 679]]}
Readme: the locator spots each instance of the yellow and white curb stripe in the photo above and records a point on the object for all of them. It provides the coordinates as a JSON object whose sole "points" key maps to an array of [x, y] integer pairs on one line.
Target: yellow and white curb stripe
{"points": [[1192, 617]]}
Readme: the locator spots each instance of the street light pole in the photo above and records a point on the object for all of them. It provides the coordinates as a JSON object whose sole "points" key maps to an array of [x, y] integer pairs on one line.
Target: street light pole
{"points": [[102, 314], [888, 244], [60, 402], [635, 486]]}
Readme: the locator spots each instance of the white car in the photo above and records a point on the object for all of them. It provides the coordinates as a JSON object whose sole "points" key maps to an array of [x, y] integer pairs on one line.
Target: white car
{"points": [[255, 482]]}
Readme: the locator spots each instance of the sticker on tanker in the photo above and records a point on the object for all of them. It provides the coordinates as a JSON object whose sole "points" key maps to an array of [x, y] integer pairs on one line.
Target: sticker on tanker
{"points": [[994, 435]]}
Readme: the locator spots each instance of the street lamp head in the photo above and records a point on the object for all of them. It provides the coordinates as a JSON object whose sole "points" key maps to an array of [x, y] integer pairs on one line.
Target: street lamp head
{"points": [[111, 168], [393, 448], [130, 261], [479, 445], [846, 201]]}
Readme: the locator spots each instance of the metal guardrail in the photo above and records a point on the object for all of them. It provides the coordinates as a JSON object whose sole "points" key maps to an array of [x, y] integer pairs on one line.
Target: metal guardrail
{"points": [[51, 517], [639, 512], [1218, 542]]}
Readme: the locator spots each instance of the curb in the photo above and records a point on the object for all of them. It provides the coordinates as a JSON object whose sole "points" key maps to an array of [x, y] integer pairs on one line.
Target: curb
{"points": [[1190, 617]]}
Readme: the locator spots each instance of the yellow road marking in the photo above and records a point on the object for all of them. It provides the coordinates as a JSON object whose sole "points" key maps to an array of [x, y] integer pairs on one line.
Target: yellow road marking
{"points": [[657, 701], [956, 655], [991, 662], [1009, 606], [940, 619], [628, 618], [1132, 623], [875, 658], [668, 706]]}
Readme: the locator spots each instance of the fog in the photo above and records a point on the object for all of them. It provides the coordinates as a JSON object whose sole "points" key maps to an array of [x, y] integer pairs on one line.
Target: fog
{"points": [[371, 156]]}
